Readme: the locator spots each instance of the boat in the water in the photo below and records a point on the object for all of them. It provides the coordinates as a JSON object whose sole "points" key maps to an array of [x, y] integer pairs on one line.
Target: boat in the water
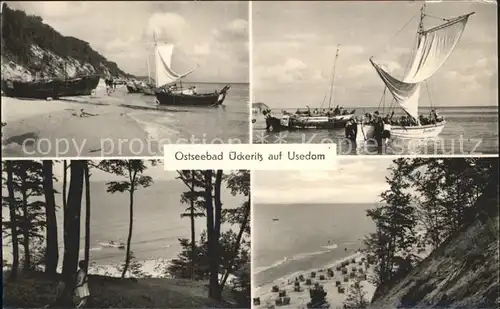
{"points": [[329, 118], [167, 92], [54, 88], [434, 46], [113, 244]]}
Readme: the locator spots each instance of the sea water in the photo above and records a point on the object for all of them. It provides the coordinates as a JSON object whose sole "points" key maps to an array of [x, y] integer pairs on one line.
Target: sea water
{"points": [[469, 129], [304, 237]]}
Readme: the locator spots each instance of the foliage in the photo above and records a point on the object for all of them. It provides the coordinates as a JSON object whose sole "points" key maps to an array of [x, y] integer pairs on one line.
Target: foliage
{"points": [[29, 219], [436, 195], [20, 31], [395, 222], [356, 296]]}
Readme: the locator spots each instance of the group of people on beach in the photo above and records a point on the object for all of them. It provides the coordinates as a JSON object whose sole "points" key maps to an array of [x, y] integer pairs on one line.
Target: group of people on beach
{"points": [[337, 111], [405, 120]]}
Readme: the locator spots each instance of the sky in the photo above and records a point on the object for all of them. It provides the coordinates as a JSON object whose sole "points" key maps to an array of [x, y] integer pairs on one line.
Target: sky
{"points": [[213, 35], [294, 45], [157, 172], [357, 180]]}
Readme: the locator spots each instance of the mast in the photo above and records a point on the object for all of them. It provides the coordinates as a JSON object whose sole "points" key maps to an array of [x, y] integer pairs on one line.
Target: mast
{"points": [[149, 70], [422, 15], [333, 76]]}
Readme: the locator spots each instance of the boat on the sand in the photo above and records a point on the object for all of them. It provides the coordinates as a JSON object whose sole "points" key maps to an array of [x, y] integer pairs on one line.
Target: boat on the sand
{"points": [[167, 92], [433, 48], [54, 88]]}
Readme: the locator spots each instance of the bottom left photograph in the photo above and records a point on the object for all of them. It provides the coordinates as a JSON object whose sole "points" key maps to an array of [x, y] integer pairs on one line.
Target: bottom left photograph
{"points": [[124, 234]]}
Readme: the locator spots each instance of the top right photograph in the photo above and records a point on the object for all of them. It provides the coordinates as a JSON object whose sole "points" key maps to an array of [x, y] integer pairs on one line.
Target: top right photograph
{"points": [[390, 78]]}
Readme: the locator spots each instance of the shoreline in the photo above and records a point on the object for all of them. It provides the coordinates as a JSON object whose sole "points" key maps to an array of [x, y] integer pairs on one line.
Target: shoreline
{"points": [[300, 299], [61, 129]]}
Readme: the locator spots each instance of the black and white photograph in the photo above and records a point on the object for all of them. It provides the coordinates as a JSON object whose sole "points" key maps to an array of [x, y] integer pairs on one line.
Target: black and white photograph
{"points": [[375, 77], [122, 78], [377, 233], [124, 234]]}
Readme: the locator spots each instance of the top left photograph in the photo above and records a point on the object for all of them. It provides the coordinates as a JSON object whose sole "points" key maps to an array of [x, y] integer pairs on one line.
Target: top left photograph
{"points": [[122, 79]]}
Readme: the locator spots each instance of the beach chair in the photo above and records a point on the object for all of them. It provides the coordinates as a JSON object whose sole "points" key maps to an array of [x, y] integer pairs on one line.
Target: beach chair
{"points": [[344, 271], [275, 289], [339, 268], [353, 261], [256, 301], [330, 273], [308, 282], [346, 279], [301, 278], [322, 277], [337, 283], [313, 274], [286, 300], [282, 293]]}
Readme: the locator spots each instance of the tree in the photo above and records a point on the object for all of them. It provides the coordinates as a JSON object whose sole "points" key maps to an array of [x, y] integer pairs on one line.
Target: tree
{"points": [[12, 213], [132, 170], [87, 216], [52, 250], [395, 222], [72, 226], [239, 183], [356, 297], [193, 180]]}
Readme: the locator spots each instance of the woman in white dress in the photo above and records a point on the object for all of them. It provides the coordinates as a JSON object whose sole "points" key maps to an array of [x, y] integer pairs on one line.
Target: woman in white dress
{"points": [[82, 286]]}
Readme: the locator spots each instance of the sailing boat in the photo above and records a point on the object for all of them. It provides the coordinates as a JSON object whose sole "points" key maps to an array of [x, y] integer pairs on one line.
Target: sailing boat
{"points": [[433, 48], [168, 93], [305, 119]]}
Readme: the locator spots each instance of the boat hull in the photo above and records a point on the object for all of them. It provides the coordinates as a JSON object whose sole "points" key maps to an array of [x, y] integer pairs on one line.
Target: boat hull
{"points": [[305, 122], [131, 89], [181, 99], [427, 131], [411, 132], [52, 89]]}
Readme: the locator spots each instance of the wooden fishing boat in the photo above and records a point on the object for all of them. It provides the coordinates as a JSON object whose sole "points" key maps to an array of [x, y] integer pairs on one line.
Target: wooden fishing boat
{"points": [[168, 93], [328, 118], [54, 88], [433, 48]]}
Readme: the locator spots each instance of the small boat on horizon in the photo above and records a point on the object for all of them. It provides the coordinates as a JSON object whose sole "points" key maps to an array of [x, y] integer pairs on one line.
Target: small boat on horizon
{"points": [[113, 244], [276, 219]]}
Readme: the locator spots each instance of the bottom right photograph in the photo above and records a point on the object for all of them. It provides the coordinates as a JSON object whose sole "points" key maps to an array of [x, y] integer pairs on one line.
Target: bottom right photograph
{"points": [[378, 233]]}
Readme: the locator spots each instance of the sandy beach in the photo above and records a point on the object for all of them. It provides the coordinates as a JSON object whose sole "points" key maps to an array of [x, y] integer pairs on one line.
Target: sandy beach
{"points": [[356, 266], [82, 126]]}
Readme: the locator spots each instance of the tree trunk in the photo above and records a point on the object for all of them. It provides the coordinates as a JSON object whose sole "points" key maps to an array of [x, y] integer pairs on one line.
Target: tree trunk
{"points": [[72, 227], [214, 276], [215, 257], [65, 183], [52, 251], [193, 231], [130, 228], [236, 245], [13, 221], [26, 224], [87, 217]]}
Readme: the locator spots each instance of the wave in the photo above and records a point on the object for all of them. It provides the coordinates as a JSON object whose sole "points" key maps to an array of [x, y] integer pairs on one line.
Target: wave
{"points": [[153, 129], [297, 257], [330, 247]]}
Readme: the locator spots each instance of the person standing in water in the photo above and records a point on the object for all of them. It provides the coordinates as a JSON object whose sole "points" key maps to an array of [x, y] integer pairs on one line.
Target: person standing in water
{"points": [[82, 287]]}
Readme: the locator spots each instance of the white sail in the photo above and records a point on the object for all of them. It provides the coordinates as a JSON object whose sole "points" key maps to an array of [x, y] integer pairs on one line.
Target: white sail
{"points": [[434, 47], [163, 60]]}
